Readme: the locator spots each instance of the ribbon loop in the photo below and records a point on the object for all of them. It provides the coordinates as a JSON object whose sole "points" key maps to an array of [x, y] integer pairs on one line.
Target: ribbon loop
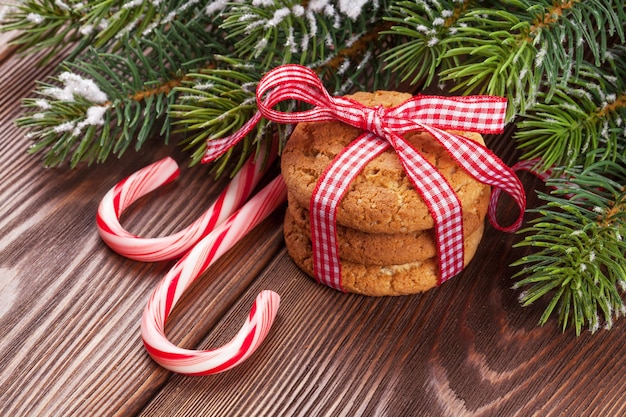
{"points": [[294, 83], [383, 127]]}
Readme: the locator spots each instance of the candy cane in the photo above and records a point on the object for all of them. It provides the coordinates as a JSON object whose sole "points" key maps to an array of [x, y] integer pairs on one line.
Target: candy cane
{"points": [[187, 270], [127, 191]]}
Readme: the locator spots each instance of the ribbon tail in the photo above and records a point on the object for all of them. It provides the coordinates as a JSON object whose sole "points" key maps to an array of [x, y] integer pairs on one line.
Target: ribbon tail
{"points": [[328, 192], [486, 167], [443, 205], [218, 147]]}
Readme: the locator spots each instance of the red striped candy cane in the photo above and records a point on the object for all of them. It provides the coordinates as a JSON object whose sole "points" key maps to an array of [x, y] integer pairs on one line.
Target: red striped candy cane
{"points": [[129, 190], [188, 269]]}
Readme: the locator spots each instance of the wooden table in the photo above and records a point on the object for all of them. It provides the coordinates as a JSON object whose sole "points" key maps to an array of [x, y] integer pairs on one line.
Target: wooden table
{"points": [[70, 312]]}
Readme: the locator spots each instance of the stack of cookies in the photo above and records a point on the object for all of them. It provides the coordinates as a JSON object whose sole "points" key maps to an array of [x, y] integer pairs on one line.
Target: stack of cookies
{"points": [[386, 237]]}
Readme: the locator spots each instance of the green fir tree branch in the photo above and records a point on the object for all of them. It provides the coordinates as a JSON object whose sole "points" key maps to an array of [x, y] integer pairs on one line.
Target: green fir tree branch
{"points": [[215, 102], [424, 30], [579, 248], [138, 82], [47, 25], [53, 25], [585, 114]]}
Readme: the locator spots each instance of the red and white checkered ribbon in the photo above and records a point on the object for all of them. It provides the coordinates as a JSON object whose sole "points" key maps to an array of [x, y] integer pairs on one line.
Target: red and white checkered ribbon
{"points": [[384, 128]]}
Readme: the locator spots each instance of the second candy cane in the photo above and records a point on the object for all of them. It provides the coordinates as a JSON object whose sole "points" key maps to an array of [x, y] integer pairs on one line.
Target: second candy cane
{"points": [[127, 191]]}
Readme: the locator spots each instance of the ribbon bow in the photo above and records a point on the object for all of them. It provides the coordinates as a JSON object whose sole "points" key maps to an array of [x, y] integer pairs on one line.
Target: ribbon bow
{"points": [[384, 128]]}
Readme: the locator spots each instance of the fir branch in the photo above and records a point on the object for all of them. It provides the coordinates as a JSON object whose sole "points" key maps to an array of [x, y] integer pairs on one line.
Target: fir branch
{"points": [[309, 33], [494, 58], [586, 113], [594, 22], [214, 102], [355, 67], [579, 247], [140, 18], [46, 25], [424, 27], [52, 25], [514, 48], [480, 50], [65, 126], [357, 46], [138, 81]]}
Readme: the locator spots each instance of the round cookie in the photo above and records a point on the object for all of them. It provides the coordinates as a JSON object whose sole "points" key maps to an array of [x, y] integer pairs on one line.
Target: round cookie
{"points": [[375, 280], [388, 248], [381, 199]]}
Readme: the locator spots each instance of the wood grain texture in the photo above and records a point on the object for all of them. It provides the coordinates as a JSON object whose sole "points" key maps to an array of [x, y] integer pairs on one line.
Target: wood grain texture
{"points": [[70, 311]]}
